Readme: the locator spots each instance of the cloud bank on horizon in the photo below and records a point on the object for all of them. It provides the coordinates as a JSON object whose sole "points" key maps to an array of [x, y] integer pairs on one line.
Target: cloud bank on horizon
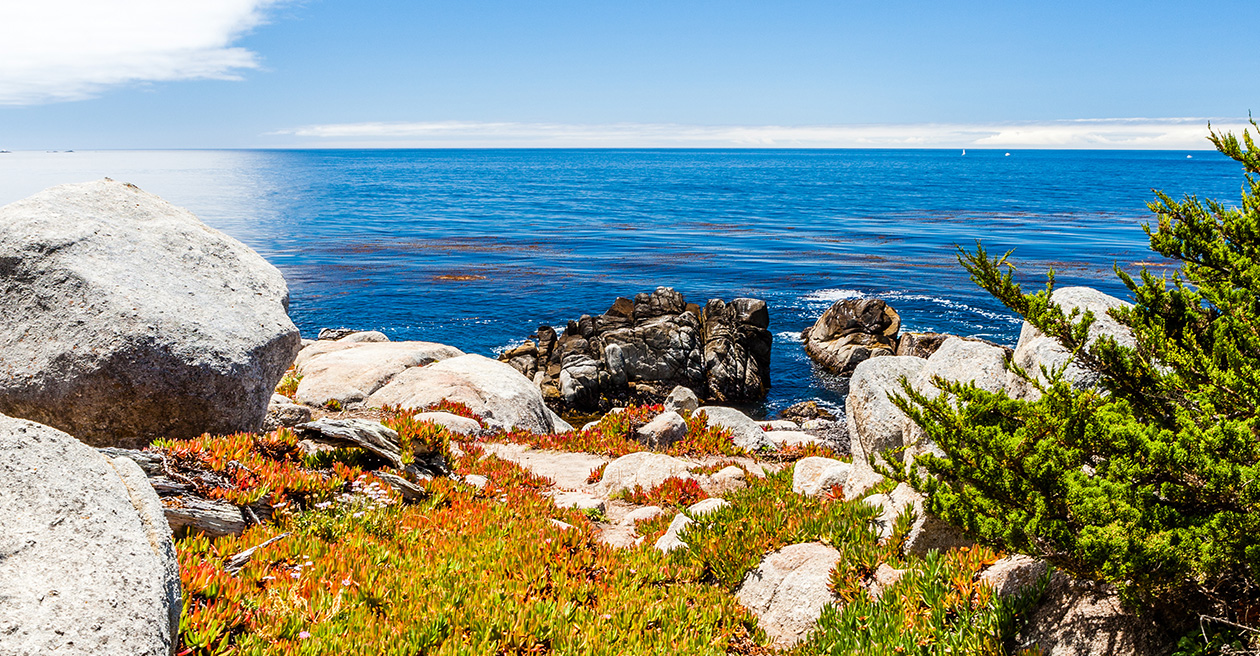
{"points": [[66, 50], [1127, 133]]}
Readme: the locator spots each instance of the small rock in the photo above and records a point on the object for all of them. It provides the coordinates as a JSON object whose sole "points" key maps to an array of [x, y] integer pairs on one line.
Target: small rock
{"points": [[671, 541], [728, 479], [563, 526], [681, 400], [1013, 575], [364, 336], [746, 433], [285, 415], [816, 475], [663, 431], [477, 480], [779, 425], [789, 589], [707, 506], [326, 334], [806, 410], [884, 577], [642, 515], [1080, 618]]}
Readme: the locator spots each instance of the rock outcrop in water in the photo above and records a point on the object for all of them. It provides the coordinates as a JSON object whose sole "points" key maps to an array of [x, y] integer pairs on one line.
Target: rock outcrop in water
{"points": [[127, 319], [850, 331], [640, 350]]}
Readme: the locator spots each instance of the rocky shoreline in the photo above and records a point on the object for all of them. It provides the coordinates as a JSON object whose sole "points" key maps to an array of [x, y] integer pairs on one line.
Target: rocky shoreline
{"points": [[135, 329]]}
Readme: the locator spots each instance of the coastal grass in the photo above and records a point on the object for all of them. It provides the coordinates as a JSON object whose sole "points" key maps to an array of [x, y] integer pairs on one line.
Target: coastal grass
{"points": [[501, 570]]}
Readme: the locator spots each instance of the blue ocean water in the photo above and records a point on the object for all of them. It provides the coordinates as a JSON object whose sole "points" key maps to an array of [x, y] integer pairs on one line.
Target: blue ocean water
{"points": [[476, 248]]}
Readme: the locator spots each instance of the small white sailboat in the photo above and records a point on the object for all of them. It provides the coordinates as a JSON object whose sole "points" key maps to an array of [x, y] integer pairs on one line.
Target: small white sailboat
{"points": [[964, 151]]}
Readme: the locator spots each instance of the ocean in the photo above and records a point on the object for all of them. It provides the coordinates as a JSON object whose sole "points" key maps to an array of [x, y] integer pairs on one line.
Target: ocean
{"points": [[476, 248]]}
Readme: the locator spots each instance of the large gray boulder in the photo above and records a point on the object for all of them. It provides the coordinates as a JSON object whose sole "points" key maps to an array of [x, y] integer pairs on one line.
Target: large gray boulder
{"points": [[127, 319], [788, 590], [350, 371], [957, 360], [86, 560], [875, 423], [1035, 350], [493, 390], [850, 332]]}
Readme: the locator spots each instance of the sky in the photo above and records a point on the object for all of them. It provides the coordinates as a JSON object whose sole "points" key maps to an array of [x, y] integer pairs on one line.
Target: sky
{"points": [[141, 74]]}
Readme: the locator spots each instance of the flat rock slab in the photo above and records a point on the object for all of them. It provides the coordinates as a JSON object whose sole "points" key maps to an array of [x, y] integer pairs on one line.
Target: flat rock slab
{"points": [[88, 566], [789, 589], [568, 470], [643, 469]]}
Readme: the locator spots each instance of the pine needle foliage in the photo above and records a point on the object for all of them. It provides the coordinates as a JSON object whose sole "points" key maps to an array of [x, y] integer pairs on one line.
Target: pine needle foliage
{"points": [[1149, 480]]}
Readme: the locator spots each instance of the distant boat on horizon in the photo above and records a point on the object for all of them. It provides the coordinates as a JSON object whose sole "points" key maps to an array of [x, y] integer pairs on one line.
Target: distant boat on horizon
{"points": [[964, 151]]}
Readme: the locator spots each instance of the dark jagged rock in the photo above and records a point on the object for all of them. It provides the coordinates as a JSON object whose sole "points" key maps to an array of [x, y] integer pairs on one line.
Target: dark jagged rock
{"points": [[806, 410], [640, 349], [851, 331]]}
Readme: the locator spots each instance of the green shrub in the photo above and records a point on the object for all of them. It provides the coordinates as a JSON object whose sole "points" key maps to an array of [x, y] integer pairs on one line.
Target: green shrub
{"points": [[1151, 481]]}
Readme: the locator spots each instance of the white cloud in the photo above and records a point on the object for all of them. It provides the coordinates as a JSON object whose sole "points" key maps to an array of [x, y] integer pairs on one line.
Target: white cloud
{"points": [[1134, 133], [57, 50]]}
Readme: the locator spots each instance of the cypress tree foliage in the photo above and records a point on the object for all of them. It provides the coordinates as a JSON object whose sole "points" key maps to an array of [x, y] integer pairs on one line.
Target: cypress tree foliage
{"points": [[1151, 481]]}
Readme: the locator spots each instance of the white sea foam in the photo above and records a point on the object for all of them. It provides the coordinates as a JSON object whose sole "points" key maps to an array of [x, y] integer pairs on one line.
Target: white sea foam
{"points": [[832, 295], [789, 336], [953, 305]]}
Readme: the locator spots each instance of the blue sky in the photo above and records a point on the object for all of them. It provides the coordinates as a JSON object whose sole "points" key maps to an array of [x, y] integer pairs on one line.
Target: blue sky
{"points": [[248, 73]]}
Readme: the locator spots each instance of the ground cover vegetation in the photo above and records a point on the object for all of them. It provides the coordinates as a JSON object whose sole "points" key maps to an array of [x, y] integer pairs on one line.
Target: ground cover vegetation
{"points": [[346, 567], [1149, 480]]}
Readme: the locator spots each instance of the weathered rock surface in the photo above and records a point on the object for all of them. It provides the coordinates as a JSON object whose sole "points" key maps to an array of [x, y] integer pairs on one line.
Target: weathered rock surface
{"points": [[920, 345], [88, 565], [350, 371], [494, 391], [453, 423], [663, 431], [371, 436], [851, 331], [681, 400], [1035, 350], [643, 469], [789, 589], [926, 533], [815, 475], [701, 508], [671, 540], [747, 434], [638, 349], [282, 411], [806, 410], [1013, 575], [957, 360], [127, 319], [1078, 618], [875, 424]]}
